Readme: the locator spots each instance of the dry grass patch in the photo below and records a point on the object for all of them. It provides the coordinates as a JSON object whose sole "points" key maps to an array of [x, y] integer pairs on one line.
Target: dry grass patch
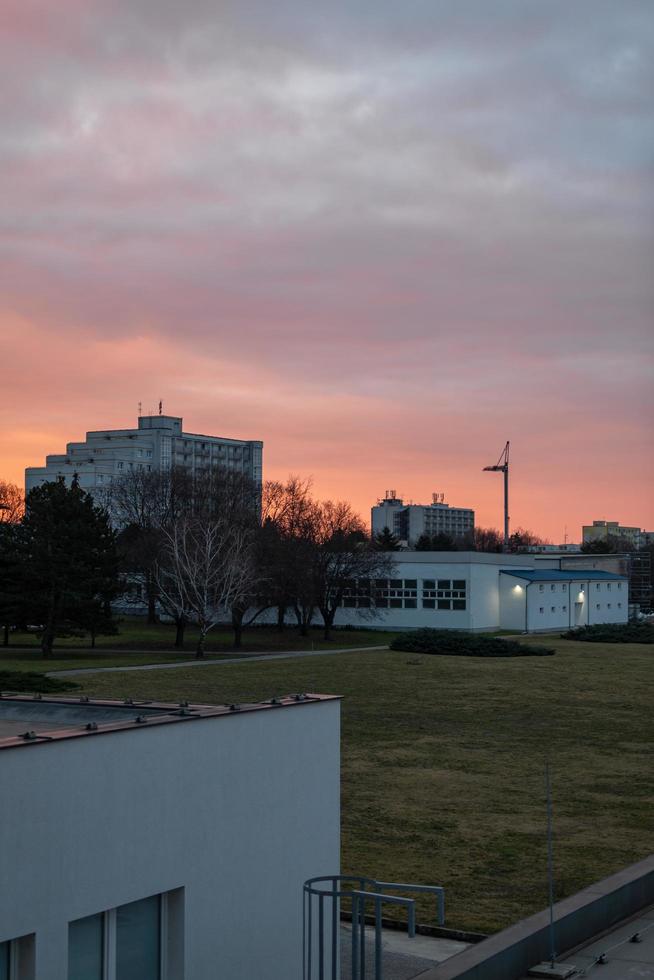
{"points": [[443, 763]]}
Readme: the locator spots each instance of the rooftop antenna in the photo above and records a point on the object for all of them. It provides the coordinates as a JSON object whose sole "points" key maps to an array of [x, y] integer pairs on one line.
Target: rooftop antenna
{"points": [[140, 409], [160, 406], [502, 466]]}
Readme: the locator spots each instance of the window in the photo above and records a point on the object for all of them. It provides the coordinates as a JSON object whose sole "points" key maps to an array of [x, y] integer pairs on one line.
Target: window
{"points": [[444, 604], [597, 586], [459, 583], [552, 588], [428, 604], [138, 940], [444, 583], [120, 465], [541, 588], [124, 943], [564, 608], [564, 588], [17, 959], [619, 605], [429, 583], [619, 585], [608, 605], [458, 604], [410, 583], [86, 948], [598, 606], [542, 609], [553, 608], [608, 586]]}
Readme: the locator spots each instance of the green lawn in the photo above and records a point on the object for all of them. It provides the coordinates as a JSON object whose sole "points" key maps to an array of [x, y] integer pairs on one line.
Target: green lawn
{"points": [[137, 643], [443, 763]]}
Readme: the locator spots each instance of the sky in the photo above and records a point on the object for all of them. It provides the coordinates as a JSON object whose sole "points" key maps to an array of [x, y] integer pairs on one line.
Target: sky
{"points": [[382, 237]]}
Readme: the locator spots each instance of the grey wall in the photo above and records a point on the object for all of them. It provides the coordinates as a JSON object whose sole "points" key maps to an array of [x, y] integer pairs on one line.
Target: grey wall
{"points": [[237, 811]]}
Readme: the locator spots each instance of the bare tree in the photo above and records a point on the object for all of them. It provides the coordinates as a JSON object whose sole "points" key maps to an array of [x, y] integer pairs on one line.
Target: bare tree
{"points": [[288, 516], [205, 568], [140, 503], [12, 503], [343, 557]]}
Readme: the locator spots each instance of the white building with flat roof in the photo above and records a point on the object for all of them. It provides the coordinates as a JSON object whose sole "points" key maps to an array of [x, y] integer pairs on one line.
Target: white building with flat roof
{"points": [[153, 841], [158, 443], [409, 522], [481, 591]]}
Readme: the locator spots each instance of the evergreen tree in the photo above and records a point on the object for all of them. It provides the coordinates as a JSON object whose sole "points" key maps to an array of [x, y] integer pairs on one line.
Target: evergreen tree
{"points": [[386, 541], [68, 553]]}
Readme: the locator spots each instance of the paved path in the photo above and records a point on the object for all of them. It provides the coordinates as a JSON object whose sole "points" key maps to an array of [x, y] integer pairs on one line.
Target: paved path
{"points": [[403, 958], [177, 664]]}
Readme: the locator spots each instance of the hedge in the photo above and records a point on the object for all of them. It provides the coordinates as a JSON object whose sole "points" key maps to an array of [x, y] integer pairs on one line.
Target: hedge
{"points": [[613, 633], [18, 681], [458, 643]]}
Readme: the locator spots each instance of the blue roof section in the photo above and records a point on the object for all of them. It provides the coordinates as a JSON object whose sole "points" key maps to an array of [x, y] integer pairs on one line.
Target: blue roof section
{"points": [[554, 575]]}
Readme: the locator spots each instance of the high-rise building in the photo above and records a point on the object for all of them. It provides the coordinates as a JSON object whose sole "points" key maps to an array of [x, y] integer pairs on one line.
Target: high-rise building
{"points": [[409, 522], [603, 530], [158, 443]]}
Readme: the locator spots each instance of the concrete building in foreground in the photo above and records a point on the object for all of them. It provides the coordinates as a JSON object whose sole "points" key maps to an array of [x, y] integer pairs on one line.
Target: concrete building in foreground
{"points": [[154, 841], [158, 443], [484, 591], [409, 522]]}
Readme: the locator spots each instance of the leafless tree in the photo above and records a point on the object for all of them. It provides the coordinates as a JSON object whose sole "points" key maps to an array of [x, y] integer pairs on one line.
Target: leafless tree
{"points": [[12, 503], [342, 557], [204, 569]]}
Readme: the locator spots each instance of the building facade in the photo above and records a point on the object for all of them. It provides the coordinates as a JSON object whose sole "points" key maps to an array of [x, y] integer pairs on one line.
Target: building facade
{"points": [[163, 842], [409, 522], [603, 530], [158, 443], [479, 592]]}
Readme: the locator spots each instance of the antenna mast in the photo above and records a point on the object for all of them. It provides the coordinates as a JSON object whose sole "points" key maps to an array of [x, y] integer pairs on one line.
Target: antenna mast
{"points": [[502, 466]]}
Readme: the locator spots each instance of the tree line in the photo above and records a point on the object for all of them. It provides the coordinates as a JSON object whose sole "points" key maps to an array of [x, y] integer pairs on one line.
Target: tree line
{"points": [[203, 548]]}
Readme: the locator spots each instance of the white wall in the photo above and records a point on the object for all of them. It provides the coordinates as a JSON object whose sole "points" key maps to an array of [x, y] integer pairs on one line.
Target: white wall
{"points": [[237, 810]]}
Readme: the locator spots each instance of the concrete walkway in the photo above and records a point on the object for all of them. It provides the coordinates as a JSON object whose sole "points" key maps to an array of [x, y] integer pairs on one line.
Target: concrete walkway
{"points": [[246, 659], [403, 958]]}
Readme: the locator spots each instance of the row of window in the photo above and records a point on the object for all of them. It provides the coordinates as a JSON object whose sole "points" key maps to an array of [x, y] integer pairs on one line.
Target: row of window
{"points": [[598, 586], [565, 608]]}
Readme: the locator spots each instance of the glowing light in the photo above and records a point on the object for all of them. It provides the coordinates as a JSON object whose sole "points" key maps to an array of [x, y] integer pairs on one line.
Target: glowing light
{"points": [[517, 588]]}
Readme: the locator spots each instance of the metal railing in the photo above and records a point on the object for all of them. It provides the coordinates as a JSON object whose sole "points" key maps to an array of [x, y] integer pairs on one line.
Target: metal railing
{"points": [[321, 910]]}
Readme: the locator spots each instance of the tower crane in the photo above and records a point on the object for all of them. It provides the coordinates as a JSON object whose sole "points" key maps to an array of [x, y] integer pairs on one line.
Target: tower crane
{"points": [[502, 466]]}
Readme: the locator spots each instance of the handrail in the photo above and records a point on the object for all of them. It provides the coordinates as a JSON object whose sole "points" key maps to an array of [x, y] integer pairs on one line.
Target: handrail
{"points": [[361, 890]]}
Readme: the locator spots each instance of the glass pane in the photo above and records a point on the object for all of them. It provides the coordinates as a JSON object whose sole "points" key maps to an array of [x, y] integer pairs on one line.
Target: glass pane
{"points": [[429, 583], [137, 940], [4, 961], [459, 583], [85, 948], [444, 583]]}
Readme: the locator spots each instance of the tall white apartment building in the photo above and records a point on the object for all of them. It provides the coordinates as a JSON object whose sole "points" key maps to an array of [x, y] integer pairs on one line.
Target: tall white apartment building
{"points": [[158, 443], [409, 522]]}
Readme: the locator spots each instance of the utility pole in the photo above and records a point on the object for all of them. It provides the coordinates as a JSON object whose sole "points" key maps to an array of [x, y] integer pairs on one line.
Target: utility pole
{"points": [[502, 466]]}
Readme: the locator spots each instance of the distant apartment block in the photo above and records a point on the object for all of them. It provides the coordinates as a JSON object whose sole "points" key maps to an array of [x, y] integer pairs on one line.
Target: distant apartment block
{"points": [[410, 521], [158, 443], [603, 530]]}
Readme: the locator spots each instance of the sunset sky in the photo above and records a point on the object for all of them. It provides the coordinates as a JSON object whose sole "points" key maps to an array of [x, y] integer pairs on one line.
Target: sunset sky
{"points": [[382, 237]]}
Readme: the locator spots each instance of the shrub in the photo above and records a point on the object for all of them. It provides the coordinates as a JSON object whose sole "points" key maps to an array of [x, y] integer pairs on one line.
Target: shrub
{"points": [[19, 681], [613, 633], [458, 643]]}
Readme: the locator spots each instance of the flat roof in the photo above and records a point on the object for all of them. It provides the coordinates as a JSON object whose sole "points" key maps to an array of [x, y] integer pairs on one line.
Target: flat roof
{"points": [[620, 953], [35, 720], [555, 575]]}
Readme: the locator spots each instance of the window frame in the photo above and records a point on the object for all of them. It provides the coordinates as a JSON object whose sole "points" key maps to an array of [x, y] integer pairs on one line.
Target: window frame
{"points": [[109, 937]]}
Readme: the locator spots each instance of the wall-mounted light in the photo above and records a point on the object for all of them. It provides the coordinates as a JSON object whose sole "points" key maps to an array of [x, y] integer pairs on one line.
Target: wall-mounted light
{"points": [[517, 588]]}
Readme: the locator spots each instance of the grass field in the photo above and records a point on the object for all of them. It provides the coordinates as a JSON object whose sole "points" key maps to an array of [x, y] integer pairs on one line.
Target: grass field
{"points": [[443, 763], [138, 643]]}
